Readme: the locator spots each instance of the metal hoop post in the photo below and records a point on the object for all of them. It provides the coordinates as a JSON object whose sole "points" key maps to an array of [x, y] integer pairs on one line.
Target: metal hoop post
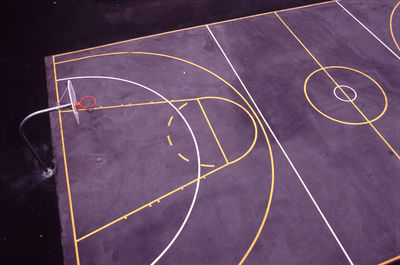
{"points": [[48, 170]]}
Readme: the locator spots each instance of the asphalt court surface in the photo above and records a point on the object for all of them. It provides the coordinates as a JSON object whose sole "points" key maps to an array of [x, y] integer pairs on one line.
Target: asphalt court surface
{"points": [[271, 139]]}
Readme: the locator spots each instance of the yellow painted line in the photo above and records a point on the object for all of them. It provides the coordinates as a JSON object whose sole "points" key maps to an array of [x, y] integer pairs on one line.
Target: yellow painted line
{"points": [[213, 132], [390, 260], [347, 96], [133, 104], [56, 83], [181, 107], [195, 27], [271, 192], [391, 25], [170, 120], [66, 171], [184, 158], [206, 165], [169, 140]]}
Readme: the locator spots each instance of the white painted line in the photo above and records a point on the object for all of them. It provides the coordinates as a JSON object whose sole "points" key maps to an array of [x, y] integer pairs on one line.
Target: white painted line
{"points": [[345, 100], [283, 150], [194, 140], [397, 56]]}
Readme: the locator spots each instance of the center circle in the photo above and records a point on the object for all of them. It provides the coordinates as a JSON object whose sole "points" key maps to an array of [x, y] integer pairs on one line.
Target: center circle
{"points": [[353, 70], [341, 99]]}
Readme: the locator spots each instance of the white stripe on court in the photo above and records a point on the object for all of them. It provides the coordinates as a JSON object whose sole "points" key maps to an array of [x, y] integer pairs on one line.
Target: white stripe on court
{"points": [[376, 37], [283, 150], [195, 144]]}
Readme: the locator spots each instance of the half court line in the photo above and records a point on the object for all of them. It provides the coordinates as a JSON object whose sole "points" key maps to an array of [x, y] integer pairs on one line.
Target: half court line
{"points": [[282, 149], [365, 27]]}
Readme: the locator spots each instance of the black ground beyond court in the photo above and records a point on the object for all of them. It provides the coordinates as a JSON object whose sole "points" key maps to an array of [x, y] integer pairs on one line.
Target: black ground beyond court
{"points": [[270, 139]]}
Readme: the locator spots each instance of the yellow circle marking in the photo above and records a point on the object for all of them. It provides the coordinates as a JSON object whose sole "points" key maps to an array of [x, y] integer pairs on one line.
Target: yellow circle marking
{"points": [[391, 25], [271, 190], [340, 121]]}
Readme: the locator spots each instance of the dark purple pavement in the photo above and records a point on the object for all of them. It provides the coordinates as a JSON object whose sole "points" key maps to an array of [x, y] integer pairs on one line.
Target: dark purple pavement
{"points": [[297, 188]]}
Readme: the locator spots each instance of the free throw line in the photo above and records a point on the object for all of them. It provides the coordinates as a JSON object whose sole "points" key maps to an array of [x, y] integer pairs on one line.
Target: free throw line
{"points": [[213, 132]]}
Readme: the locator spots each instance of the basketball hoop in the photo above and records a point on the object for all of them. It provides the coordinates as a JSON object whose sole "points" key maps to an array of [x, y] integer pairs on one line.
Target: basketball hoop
{"points": [[86, 103]]}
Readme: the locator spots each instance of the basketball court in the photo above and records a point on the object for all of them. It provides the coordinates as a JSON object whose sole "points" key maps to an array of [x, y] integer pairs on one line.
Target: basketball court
{"points": [[269, 139]]}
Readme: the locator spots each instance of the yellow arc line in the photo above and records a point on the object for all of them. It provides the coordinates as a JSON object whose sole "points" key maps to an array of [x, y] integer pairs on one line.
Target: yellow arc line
{"points": [[181, 107], [206, 165], [66, 171], [261, 227], [169, 140], [170, 120], [390, 260], [348, 97], [213, 132], [184, 158], [195, 27], [391, 25]]}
